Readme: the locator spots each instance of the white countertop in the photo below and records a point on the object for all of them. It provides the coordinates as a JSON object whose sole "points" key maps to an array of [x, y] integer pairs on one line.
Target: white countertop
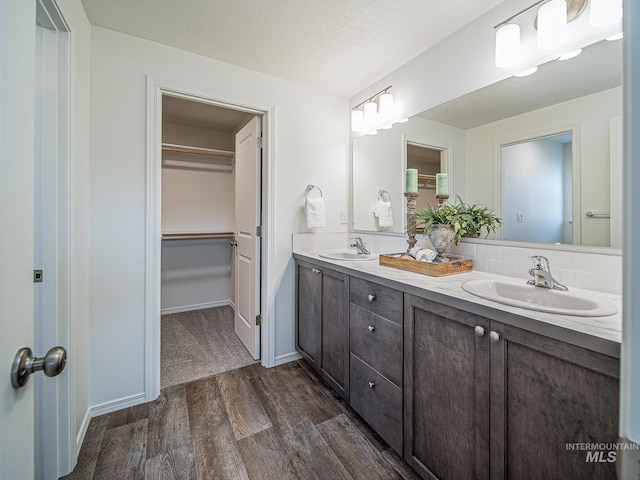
{"points": [[607, 328]]}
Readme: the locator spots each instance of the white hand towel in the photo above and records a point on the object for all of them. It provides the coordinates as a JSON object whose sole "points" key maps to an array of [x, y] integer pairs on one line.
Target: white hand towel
{"points": [[384, 213], [423, 254], [314, 211]]}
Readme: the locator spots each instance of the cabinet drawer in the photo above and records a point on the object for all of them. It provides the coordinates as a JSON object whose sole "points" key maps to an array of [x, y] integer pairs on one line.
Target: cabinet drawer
{"points": [[378, 401], [377, 341], [381, 300]]}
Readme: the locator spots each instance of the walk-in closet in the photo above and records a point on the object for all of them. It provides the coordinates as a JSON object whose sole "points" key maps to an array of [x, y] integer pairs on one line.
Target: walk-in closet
{"points": [[198, 222]]}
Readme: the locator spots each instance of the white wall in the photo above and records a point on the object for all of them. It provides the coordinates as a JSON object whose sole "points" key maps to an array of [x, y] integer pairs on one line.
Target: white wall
{"points": [[196, 198], [590, 115], [311, 144]]}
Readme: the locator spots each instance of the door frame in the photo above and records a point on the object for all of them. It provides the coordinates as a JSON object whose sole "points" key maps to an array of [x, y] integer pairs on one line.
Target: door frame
{"points": [[155, 91], [54, 402]]}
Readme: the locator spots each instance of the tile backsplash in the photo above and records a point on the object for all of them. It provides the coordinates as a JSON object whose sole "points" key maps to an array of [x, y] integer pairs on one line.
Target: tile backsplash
{"points": [[591, 271]]}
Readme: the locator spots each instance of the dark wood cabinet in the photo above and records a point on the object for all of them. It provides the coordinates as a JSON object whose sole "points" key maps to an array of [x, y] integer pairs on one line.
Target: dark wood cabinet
{"points": [[322, 323], [376, 357], [489, 400], [547, 397], [446, 406]]}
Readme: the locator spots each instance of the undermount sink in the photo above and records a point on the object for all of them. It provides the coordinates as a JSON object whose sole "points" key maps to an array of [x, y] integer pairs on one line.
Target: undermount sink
{"points": [[347, 255], [540, 299]]}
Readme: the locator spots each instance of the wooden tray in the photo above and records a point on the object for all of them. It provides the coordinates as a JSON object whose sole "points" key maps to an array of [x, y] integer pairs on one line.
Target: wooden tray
{"points": [[457, 264]]}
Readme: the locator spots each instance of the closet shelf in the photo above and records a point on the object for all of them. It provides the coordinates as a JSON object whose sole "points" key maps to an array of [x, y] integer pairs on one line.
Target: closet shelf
{"points": [[196, 236], [426, 181], [170, 147]]}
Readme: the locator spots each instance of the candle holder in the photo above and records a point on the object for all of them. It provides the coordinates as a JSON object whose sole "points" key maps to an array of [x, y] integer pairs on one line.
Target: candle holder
{"points": [[442, 200], [411, 210]]}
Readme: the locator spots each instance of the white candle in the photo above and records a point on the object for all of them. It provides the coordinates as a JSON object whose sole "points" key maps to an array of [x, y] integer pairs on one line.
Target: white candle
{"points": [[442, 184]]}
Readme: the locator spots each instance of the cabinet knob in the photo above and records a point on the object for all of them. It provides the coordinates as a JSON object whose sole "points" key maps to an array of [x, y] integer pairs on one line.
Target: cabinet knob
{"points": [[372, 384], [494, 336], [371, 297], [372, 328], [315, 270], [479, 331]]}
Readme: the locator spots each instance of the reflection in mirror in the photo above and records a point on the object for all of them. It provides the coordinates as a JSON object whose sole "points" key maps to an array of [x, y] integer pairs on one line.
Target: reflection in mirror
{"points": [[428, 161], [536, 190], [582, 95]]}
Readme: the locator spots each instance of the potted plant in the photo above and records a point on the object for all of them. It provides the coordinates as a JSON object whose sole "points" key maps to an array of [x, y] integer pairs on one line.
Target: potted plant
{"points": [[449, 223]]}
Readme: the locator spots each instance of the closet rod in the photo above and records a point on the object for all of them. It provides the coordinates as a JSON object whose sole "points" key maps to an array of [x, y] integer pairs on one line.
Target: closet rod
{"points": [[166, 147], [196, 236]]}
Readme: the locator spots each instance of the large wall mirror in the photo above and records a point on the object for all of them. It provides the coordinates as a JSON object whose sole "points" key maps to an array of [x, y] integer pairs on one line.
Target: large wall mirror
{"points": [[544, 151]]}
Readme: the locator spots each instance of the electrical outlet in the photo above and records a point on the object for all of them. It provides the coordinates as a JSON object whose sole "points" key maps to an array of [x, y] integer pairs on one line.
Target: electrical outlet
{"points": [[520, 217], [344, 217]]}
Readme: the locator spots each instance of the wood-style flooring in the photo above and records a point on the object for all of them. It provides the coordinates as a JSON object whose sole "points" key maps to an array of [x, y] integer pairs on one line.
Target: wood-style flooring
{"points": [[250, 423], [199, 344]]}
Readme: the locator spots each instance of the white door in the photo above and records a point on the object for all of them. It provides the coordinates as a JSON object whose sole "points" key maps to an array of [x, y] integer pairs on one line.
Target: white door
{"points": [[17, 57], [30, 142], [248, 214]]}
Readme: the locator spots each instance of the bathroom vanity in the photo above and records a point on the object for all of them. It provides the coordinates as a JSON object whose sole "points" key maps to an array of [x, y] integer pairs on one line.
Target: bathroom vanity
{"points": [[459, 386]]}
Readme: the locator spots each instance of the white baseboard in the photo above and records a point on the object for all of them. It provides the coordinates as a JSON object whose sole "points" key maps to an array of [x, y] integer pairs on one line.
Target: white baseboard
{"points": [[118, 404], [83, 431], [289, 357], [200, 306]]}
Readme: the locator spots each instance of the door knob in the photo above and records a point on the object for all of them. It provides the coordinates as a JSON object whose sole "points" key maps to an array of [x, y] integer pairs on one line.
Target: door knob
{"points": [[24, 364]]}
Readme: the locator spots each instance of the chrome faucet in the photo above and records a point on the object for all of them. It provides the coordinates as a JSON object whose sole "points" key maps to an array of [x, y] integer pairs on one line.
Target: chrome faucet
{"points": [[359, 244], [541, 274]]}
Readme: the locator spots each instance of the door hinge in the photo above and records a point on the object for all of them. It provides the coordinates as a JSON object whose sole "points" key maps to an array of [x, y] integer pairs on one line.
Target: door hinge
{"points": [[260, 142], [37, 276], [258, 230], [258, 320]]}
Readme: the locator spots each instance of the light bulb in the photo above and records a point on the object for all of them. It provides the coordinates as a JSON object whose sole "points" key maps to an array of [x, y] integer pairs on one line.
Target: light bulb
{"points": [[552, 24], [605, 12], [507, 45], [386, 103], [357, 120]]}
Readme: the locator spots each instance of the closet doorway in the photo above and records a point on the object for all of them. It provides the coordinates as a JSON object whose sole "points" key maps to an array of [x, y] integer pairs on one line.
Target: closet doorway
{"points": [[211, 246]]}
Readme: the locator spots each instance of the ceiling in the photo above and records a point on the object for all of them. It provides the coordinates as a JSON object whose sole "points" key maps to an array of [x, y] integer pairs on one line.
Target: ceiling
{"points": [[203, 115], [340, 46]]}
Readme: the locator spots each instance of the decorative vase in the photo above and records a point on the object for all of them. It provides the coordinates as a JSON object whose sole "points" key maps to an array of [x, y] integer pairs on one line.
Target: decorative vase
{"points": [[441, 235]]}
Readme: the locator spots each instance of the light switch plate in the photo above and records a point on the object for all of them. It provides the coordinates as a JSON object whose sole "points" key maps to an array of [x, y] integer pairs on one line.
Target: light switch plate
{"points": [[344, 217]]}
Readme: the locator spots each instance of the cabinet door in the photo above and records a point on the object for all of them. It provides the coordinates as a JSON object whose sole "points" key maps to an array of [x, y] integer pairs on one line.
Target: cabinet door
{"points": [[335, 330], [446, 418], [546, 397], [309, 312]]}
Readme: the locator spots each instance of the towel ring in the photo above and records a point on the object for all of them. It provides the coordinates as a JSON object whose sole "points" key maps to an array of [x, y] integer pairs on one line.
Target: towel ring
{"points": [[381, 193], [311, 187]]}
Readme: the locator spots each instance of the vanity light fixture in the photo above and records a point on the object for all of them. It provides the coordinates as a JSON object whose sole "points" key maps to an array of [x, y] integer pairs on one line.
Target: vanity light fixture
{"points": [[508, 45], [552, 18], [605, 12], [552, 24], [375, 112], [617, 36]]}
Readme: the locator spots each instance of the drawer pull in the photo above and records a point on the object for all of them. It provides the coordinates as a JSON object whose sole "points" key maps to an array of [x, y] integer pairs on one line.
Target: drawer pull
{"points": [[372, 384], [494, 336], [371, 297], [479, 331], [372, 328]]}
